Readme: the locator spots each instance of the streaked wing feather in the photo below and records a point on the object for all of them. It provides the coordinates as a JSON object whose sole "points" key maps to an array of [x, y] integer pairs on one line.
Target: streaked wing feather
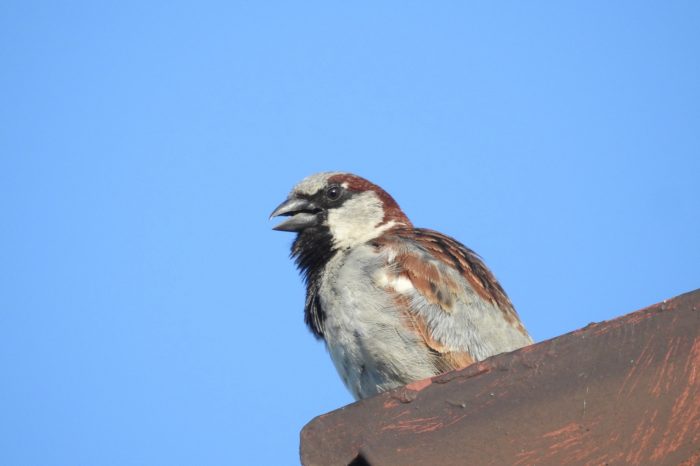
{"points": [[456, 304]]}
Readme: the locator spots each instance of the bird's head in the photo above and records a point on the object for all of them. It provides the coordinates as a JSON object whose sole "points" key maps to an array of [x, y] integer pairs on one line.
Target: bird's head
{"points": [[343, 209]]}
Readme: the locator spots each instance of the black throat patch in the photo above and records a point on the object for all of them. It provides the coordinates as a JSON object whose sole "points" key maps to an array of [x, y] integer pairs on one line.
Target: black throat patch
{"points": [[312, 249]]}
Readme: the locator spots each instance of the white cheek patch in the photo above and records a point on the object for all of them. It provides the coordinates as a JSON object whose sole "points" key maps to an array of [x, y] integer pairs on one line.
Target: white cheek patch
{"points": [[357, 220]]}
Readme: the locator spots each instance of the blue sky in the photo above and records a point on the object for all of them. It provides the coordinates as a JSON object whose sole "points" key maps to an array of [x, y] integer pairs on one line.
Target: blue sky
{"points": [[148, 313]]}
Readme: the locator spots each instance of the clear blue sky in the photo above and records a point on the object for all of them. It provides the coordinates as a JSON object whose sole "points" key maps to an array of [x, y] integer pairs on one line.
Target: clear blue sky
{"points": [[148, 313]]}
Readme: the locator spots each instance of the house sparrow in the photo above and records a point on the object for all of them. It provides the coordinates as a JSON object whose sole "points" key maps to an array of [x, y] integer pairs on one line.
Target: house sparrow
{"points": [[393, 303]]}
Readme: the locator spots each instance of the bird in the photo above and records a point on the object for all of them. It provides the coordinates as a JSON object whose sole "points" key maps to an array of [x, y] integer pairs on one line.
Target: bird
{"points": [[393, 303]]}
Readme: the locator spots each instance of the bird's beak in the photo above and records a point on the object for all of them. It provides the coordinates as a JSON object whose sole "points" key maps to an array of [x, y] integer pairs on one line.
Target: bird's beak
{"points": [[302, 212]]}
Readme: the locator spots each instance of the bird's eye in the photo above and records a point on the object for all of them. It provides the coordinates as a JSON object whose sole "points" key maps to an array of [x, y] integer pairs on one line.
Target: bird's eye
{"points": [[333, 193]]}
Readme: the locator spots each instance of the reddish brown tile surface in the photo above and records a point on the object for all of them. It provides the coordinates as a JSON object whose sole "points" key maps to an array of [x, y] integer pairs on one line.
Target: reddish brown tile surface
{"points": [[626, 391]]}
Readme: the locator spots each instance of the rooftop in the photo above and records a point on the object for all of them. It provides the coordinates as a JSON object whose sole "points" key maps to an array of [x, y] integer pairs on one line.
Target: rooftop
{"points": [[624, 391]]}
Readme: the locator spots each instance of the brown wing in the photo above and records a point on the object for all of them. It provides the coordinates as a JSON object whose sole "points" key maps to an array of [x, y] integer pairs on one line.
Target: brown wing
{"points": [[443, 358], [468, 263], [449, 276]]}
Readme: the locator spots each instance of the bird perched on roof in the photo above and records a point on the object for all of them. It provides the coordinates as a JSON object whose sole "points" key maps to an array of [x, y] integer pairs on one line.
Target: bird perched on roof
{"points": [[393, 303]]}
